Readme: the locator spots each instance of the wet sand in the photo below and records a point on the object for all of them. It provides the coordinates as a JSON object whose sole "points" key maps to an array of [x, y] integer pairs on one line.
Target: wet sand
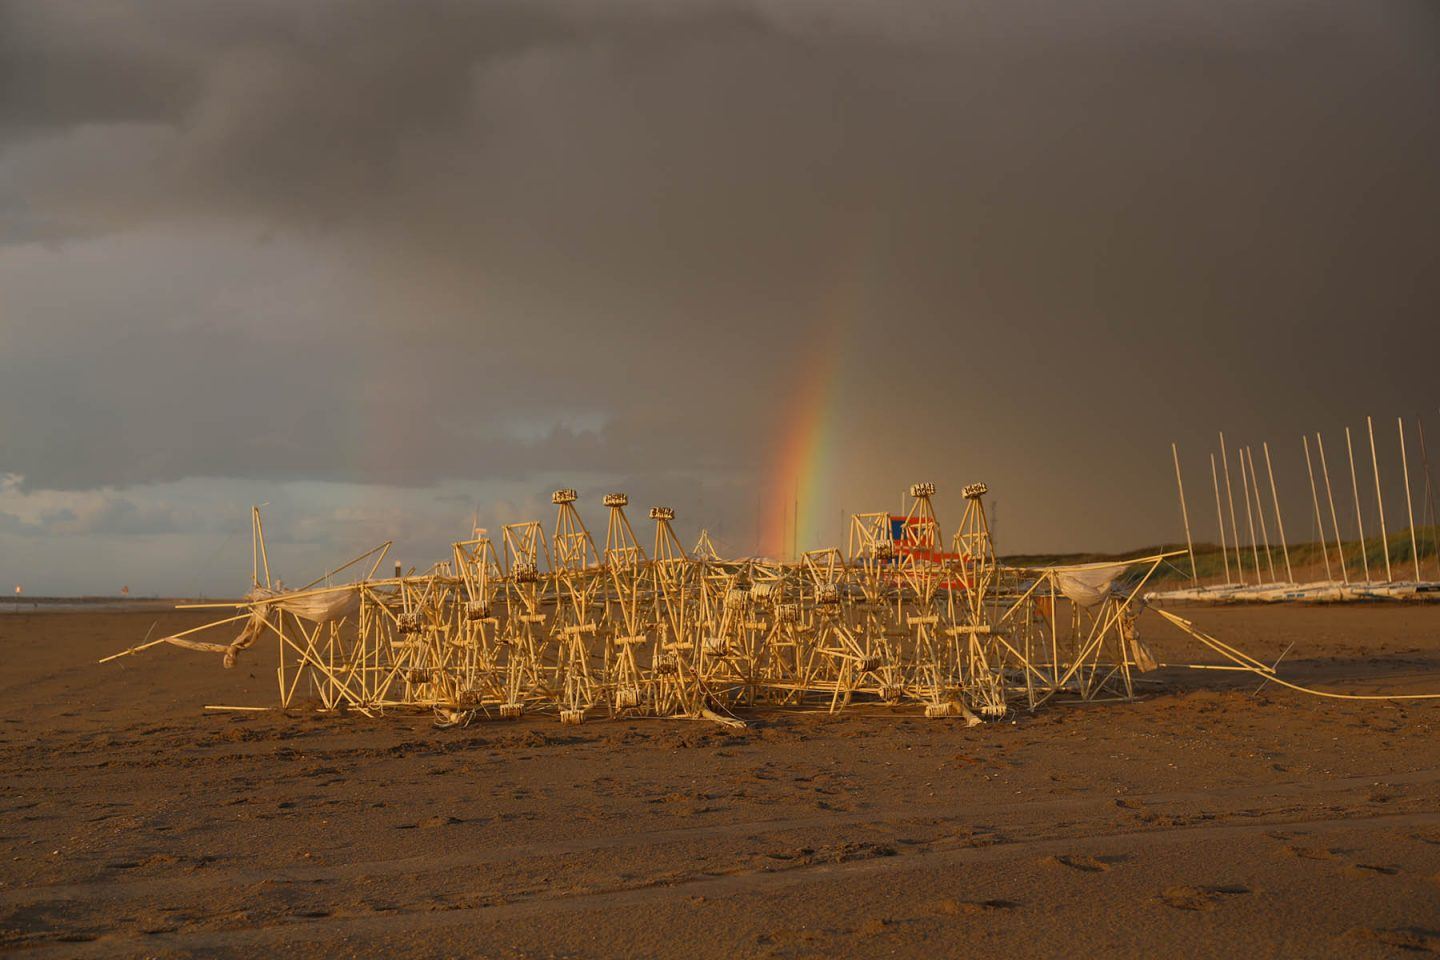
{"points": [[1204, 820]]}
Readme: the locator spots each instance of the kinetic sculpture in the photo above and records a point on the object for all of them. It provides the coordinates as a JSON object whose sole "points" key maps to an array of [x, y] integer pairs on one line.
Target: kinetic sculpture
{"points": [[559, 625]]}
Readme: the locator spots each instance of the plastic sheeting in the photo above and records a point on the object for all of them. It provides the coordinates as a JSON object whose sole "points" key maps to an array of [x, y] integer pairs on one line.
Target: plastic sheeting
{"points": [[1089, 583], [317, 606]]}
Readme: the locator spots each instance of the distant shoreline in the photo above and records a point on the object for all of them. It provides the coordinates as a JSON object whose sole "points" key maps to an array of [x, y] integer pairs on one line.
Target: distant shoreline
{"points": [[23, 604]]}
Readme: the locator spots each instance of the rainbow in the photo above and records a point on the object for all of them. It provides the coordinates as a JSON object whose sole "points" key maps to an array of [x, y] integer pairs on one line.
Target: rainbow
{"points": [[799, 489]]}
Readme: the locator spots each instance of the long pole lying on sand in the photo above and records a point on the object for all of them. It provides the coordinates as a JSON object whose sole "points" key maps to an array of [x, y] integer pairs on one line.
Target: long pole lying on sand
{"points": [[1184, 514], [1260, 512], [1315, 499], [1330, 496], [1220, 518], [1379, 500], [1230, 496], [1279, 522], [1409, 507], [1355, 488]]}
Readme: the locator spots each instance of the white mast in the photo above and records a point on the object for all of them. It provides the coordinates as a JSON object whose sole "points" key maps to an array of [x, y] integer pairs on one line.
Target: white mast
{"points": [[1315, 499], [1355, 489], [1379, 500], [1260, 512], [1220, 518], [1230, 496], [1409, 508], [1330, 496], [1279, 522], [1429, 489], [1249, 516], [1184, 514]]}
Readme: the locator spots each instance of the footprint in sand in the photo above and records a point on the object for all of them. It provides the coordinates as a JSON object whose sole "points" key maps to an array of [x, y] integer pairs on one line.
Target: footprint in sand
{"points": [[1086, 864], [1201, 898], [956, 908], [1311, 853], [1416, 939], [429, 823], [1361, 869]]}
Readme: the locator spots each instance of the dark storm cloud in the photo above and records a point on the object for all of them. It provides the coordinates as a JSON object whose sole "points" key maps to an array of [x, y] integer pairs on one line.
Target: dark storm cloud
{"points": [[408, 242]]}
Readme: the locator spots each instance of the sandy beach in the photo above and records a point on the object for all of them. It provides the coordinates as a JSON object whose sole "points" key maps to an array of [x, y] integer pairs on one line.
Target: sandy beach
{"points": [[1206, 816]]}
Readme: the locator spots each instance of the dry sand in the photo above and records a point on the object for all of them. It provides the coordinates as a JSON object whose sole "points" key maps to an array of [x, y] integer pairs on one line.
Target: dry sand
{"points": [[1201, 821]]}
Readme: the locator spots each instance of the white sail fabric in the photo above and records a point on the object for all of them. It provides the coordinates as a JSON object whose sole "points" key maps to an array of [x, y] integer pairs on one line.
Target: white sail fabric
{"points": [[1089, 583]]}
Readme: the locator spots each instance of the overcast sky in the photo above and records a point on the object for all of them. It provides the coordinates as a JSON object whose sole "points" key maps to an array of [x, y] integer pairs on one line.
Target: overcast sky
{"points": [[389, 266]]}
